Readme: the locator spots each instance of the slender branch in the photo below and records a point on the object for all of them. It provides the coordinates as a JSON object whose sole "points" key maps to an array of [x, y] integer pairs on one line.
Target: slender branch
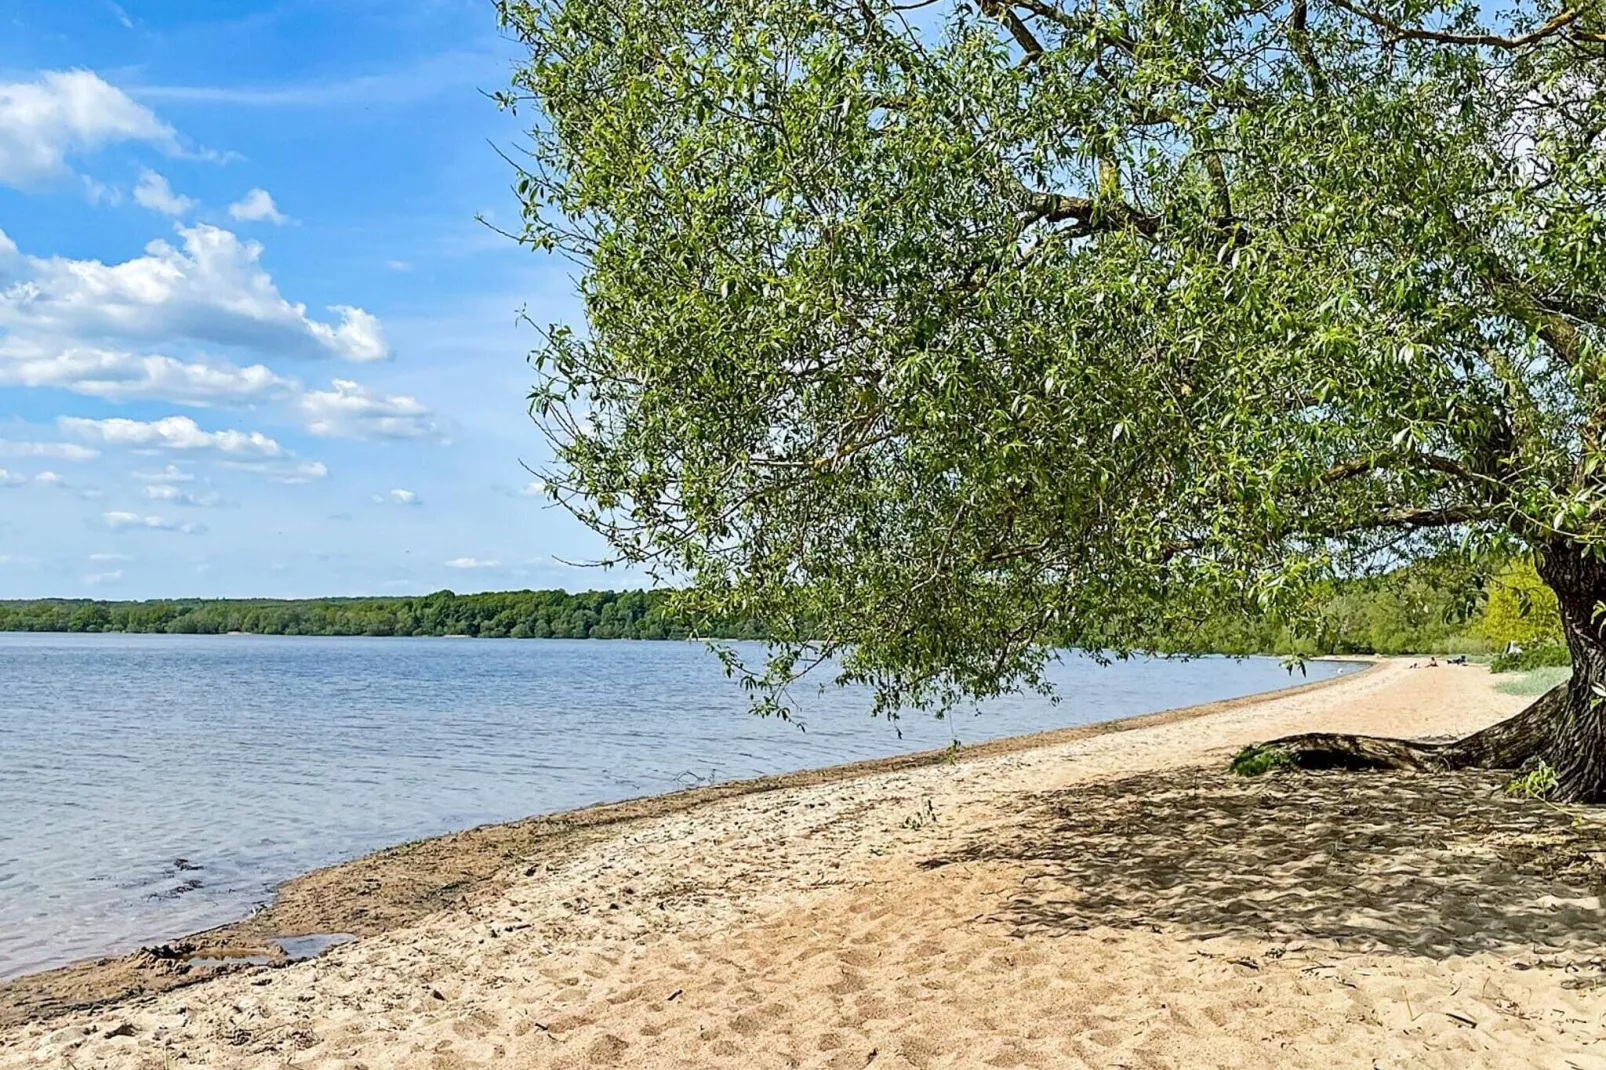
{"points": [[1397, 520], [1400, 31]]}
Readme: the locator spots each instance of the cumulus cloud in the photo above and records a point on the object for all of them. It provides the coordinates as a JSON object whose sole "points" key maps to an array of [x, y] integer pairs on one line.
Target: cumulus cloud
{"points": [[153, 192], [119, 375], [101, 579], [397, 497], [66, 451], [350, 410], [533, 489], [68, 113], [43, 479], [122, 521], [209, 289], [472, 562], [257, 207], [167, 492], [171, 433]]}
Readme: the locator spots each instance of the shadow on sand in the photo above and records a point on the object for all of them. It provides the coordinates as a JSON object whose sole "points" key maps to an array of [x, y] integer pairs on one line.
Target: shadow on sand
{"points": [[1432, 865]]}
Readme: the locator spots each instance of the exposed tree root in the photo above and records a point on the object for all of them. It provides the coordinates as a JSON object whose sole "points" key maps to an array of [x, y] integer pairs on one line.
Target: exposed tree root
{"points": [[1506, 745]]}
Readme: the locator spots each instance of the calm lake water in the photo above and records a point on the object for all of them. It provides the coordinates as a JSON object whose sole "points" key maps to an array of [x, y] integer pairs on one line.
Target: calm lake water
{"points": [[257, 758]]}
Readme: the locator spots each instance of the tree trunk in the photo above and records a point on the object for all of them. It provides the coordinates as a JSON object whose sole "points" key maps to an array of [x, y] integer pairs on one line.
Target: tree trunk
{"points": [[1565, 727]]}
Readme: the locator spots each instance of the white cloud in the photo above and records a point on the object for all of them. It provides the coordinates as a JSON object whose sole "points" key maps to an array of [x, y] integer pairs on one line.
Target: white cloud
{"points": [[67, 113], [122, 521], [101, 559], [533, 489], [397, 497], [171, 433], [351, 410], [153, 192], [257, 207], [170, 474], [65, 451], [212, 290], [118, 375], [166, 492], [399, 265], [100, 579], [98, 193], [17, 479], [291, 472], [472, 562]]}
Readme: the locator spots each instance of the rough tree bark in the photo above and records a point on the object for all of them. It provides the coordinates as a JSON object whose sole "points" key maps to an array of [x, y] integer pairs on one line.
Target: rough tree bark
{"points": [[1565, 727]]}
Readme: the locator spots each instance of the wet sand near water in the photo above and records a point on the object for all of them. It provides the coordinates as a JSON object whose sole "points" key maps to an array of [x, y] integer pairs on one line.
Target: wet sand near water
{"points": [[1102, 897]]}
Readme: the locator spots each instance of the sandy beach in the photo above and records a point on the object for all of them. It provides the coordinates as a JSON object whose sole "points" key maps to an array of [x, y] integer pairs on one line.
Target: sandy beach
{"points": [[1106, 897]]}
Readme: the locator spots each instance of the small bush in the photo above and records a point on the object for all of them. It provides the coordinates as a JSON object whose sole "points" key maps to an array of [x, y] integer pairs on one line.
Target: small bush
{"points": [[1255, 760], [1543, 656]]}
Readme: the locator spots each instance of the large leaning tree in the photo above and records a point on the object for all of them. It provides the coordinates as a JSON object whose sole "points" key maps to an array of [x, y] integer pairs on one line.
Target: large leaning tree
{"points": [[937, 334]]}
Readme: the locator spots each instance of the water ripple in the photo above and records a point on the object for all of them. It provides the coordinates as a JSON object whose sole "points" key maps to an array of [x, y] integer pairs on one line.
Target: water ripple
{"points": [[257, 758]]}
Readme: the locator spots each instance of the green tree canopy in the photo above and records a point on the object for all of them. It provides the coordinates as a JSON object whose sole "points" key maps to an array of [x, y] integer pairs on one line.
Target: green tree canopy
{"points": [[935, 334]]}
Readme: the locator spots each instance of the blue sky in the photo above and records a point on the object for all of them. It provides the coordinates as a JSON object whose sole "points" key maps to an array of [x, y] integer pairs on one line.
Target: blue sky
{"points": [[252, 339]]}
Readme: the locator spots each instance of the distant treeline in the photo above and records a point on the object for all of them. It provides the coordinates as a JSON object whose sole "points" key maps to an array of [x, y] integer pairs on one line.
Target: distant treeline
{"points": [[1425, 607], [511, 614]]}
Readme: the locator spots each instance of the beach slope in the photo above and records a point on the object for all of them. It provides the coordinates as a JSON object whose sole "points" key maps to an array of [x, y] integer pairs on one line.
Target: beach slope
{"points": [[1107, 898]]}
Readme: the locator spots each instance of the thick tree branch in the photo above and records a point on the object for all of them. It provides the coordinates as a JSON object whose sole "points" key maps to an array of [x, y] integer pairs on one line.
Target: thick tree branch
{"points": [[1364, 465], [1091, 216], [1022, 33], [1299, 39]]}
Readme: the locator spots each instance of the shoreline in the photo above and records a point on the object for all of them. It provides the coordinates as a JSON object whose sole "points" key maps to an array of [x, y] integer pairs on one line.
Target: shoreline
{"points": [[397, 885], [1116, 899]]}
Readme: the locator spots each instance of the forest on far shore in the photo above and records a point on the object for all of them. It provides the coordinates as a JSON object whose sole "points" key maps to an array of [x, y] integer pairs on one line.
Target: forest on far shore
{"points": [[1428, 606], [499, 615]]}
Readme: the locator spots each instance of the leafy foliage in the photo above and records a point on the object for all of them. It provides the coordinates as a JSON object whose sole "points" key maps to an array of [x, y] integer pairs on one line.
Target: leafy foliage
{"points": [[933, 335], [1538, 782], [1520, 609]]}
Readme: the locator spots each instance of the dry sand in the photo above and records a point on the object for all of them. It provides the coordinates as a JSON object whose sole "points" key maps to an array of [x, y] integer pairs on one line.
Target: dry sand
{"points": [[1105, 899]]}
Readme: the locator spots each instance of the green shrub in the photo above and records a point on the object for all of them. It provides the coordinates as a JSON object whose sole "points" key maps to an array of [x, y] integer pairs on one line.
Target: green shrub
{"points": [[1545, 655], [1256, 759], [1537, 783]]}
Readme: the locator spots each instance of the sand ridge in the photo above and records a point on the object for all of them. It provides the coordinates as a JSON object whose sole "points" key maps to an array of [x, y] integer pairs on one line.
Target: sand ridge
{"points": [[1113, 900]]}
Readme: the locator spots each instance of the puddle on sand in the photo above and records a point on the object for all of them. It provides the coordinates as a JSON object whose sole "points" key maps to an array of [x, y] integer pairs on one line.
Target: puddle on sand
{"points": [[295, 948], [229, 960], [299, 948]]}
